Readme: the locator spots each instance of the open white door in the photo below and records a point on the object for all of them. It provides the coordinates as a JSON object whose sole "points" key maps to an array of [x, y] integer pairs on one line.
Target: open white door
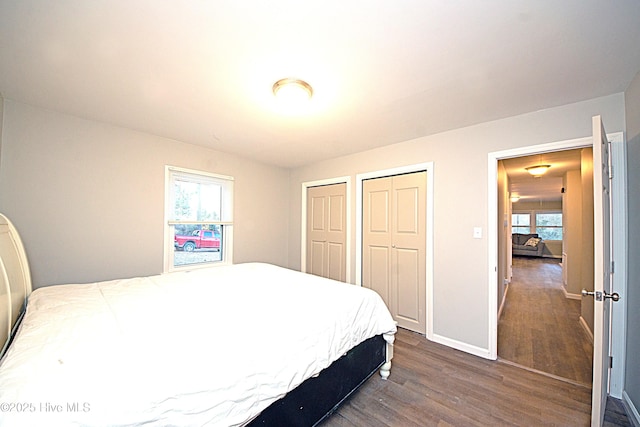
{"points": [[602, 271]]}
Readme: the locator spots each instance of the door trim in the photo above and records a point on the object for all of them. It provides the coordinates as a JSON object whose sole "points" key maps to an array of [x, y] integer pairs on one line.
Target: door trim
{"points": [[620, 246], [429, 168], [303, 248], [619, 282]]}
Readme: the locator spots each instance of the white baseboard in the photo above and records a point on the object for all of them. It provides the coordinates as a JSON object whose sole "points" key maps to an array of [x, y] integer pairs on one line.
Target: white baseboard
{"points": [[458, 345], [504, 299], [632, 411], [585, 326]]}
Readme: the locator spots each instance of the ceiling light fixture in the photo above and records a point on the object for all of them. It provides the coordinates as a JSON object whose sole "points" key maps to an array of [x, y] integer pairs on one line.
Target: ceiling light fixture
{"points": [[538, 170], [292, 90], [514, 199]]}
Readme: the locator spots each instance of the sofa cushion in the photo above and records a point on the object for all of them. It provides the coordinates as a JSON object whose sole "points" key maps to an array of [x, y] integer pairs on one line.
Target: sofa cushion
{"points": [[530, 245], [533, 241]]}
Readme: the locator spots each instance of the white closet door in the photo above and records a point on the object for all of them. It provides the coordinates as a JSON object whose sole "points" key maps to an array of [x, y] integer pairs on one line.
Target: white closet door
{"points": [[326, 231], [394, 248]]}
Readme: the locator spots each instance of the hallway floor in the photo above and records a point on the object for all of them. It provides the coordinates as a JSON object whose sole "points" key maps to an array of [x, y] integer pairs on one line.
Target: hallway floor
{"points": [[540, 328]]}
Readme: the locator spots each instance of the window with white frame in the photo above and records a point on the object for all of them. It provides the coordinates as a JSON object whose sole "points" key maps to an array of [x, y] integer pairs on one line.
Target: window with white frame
{"points": [[198, 219]]}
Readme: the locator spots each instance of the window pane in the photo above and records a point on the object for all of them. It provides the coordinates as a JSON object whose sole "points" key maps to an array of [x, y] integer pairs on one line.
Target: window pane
{"points": [[197, 244], [196, 201], [521, 220], [549, 219], [521, 223], [549, 226]]}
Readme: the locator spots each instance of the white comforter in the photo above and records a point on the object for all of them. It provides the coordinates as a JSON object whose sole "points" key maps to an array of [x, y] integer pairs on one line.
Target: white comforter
{"points": [[208, 347]]}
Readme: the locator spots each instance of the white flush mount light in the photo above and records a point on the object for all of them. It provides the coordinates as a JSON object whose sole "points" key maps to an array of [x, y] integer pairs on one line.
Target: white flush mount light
{"points": [[514, 198], [538, 170], [292, 90]]}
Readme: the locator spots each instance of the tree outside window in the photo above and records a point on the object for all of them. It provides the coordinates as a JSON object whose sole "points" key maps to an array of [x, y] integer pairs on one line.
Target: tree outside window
{"points": [[549, 225]]}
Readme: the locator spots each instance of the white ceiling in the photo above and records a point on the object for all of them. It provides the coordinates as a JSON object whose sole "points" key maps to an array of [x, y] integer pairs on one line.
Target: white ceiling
{"points": [[201, 71]]}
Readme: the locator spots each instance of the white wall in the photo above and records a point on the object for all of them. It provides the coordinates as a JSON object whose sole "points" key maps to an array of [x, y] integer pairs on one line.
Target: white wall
{"points": [[632, 371], [88, 198], [460, 157]]}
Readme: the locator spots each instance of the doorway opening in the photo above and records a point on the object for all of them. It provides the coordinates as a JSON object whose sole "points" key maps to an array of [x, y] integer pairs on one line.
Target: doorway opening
{"points": [[547, 246], [497, 240]]}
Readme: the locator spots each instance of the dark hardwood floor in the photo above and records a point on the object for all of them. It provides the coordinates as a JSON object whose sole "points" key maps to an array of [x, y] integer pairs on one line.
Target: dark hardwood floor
{"points": [[434, 385]]}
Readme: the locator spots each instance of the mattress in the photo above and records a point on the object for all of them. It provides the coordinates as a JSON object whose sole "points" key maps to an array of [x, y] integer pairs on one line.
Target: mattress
{"points": [[208, 347]]}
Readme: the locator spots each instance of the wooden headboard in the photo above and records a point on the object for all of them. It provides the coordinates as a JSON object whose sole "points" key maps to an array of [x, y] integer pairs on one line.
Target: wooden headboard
{"points": [[15, 279]]}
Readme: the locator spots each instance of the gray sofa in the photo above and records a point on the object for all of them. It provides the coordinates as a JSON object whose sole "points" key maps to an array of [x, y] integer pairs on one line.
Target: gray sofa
{"points": [[519, 246]]}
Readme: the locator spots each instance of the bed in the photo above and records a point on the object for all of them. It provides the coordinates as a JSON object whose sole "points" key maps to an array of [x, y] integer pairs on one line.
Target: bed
{"points": [[248, 344]]}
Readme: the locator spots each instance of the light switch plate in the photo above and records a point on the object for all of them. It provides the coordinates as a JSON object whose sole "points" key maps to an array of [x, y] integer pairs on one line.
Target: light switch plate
{"points": [[477, 232]]}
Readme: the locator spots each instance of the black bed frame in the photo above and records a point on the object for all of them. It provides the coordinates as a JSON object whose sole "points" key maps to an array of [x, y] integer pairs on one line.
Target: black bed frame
{"points": [[317, 398]]}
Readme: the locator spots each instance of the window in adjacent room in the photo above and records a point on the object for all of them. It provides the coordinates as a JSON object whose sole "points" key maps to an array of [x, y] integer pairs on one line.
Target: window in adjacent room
{"points": [[549, 225], [521, 223], [198, 219]]}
